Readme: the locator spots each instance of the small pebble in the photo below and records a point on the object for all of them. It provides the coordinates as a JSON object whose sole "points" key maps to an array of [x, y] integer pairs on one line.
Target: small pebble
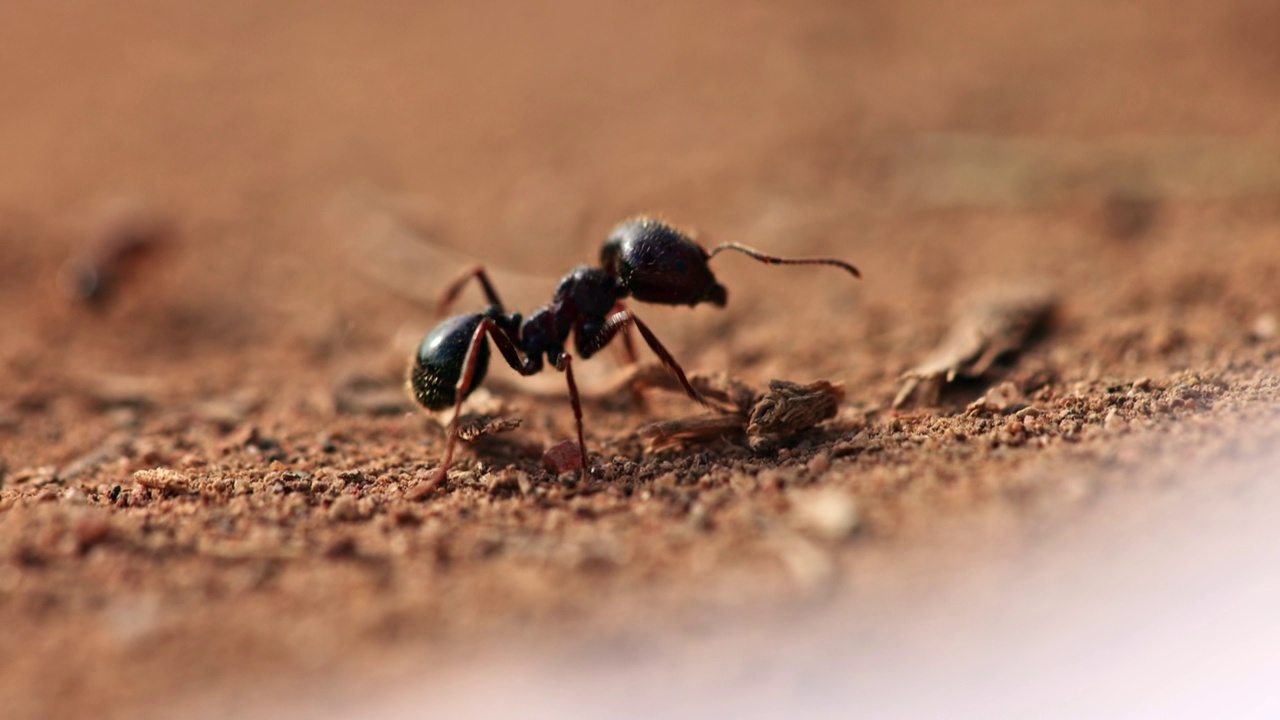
{"points": [[1004, 397], [1265, 327], [827, 513], [820, 463], [340, 547], [666, 481], [91, 529], [562, 457], [344, 509], [163, 479], [74, 495]]}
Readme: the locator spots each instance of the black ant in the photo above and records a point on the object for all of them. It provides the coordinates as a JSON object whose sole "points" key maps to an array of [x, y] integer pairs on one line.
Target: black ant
{"points": [[644, 259]]}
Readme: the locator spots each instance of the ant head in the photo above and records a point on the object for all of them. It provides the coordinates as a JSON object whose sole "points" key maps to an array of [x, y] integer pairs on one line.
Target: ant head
{"points": [[654, 262]]}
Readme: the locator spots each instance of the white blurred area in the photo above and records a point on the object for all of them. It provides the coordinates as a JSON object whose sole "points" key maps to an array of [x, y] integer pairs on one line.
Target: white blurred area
{"points": [[1161, 603]]}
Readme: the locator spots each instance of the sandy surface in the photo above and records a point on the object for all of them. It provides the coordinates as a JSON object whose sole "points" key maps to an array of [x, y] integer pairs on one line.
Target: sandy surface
{"points": [[1118, 159], [1150, 605]]}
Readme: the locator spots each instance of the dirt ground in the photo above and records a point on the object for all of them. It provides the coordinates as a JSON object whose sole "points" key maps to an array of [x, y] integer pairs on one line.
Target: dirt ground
{"points": [[211, 477]]}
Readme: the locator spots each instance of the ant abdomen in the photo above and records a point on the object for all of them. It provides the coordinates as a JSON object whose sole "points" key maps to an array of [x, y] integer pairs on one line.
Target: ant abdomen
{"points": [[439, 362]]}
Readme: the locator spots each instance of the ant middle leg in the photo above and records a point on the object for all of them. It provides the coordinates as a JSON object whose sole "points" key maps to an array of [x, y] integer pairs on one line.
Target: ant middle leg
{"points": [[619, 322], [455, 286]]}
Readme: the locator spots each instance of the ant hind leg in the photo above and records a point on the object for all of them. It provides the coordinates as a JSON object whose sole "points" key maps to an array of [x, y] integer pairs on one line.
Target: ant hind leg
{"points": [[628, 345], [618, 322], [455, 286], [510, 352], [461, 390], [635, 389]]}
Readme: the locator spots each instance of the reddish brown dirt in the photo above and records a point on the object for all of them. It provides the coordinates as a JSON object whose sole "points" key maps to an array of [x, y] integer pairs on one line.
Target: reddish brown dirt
{"points": [[1118, 155]]}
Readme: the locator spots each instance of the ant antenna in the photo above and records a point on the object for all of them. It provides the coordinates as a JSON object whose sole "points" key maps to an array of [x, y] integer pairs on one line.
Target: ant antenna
{"points": [[772, 260]]}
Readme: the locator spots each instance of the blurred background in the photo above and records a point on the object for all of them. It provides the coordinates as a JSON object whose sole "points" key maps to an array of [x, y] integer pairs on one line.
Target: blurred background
{"points": [[224, 211], [929, 142]]}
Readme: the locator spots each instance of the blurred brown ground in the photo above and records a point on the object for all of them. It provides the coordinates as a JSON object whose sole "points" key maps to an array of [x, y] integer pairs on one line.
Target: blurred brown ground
{"points": [[1123, 154]]}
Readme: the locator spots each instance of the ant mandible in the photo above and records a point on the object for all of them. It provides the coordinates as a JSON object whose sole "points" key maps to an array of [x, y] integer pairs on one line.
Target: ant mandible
{"points": [[643, 258]]}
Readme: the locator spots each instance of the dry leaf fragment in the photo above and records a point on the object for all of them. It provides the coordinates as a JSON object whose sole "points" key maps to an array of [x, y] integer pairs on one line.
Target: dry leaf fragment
{"points": [[473, 427], [693, 429], [483, 414], [990, 324], [786, 410]]}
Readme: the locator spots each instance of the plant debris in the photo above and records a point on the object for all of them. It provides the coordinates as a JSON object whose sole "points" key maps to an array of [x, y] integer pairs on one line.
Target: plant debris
{"points": [[990, 325], [474, 427], [483, 414], [761, 419]]}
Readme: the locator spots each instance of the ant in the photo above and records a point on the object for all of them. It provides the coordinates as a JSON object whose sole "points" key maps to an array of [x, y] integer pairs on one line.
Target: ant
{"points": [[643, 258]]}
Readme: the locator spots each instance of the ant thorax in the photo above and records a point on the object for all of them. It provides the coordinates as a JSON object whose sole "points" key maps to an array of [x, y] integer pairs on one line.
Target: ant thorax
{"points": [[587, 291]]}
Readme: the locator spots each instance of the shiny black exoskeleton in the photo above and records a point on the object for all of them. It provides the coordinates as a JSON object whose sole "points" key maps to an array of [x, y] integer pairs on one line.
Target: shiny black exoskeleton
{"points": [[655, 263], [644, 259]]}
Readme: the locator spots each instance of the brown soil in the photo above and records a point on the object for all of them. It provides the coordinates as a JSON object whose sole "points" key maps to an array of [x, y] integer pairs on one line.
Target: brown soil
{"points": [[192, 499]]}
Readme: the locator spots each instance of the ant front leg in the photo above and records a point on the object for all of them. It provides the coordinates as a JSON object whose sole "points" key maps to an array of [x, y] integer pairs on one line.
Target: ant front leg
{"points": [[452, 290], [619, 322], [525, 365]]}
